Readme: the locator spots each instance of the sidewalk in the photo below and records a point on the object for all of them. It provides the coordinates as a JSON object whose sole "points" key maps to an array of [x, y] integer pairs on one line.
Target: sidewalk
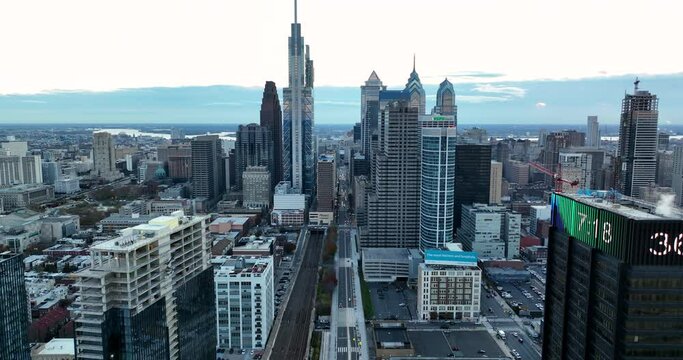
{"points": [[360, 316]]}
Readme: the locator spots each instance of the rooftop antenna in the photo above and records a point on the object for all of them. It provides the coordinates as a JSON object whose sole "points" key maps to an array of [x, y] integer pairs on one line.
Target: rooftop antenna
{"points": [[295, 21], [636, 84], [413, 62]]}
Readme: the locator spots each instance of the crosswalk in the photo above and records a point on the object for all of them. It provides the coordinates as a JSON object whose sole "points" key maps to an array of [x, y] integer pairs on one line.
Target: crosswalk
{"points": [[346, 349]]}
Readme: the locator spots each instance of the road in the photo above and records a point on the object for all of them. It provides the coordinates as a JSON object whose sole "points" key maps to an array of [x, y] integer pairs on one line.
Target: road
{"points": [[348, 339], [291, 341], [500, 320]]}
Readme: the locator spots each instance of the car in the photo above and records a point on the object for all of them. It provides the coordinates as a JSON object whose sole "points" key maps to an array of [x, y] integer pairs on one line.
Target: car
{"points": [[243, 352], [515, 334], [231, 351], [251, 352], [481, 351], [402, 304], [520, 339]]}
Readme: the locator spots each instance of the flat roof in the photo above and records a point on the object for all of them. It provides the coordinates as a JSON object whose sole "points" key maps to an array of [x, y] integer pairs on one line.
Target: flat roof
{"points": [[59, 347], [624, 205], [388, 253]]}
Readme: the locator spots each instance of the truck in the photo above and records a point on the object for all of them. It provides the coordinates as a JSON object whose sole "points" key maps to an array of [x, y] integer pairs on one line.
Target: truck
{"points": [[501, 334]]}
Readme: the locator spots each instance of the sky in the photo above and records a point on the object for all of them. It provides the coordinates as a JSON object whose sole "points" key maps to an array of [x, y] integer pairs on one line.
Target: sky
{"points": [[487, 48]]}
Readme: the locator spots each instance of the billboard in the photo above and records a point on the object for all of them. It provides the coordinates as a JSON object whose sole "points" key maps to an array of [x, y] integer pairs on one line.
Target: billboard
{"points": [[634, 241]]}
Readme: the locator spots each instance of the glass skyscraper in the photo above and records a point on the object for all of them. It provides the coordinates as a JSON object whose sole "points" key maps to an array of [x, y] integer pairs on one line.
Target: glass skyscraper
{"points": [[14, 318], [299, 157]]}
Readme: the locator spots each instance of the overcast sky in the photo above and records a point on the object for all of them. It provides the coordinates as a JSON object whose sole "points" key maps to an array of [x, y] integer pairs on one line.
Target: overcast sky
{"points": [[104, 45]]}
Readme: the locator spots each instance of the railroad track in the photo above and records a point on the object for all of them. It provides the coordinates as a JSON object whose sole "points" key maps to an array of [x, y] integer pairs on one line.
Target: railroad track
{"points": [[292, 338]]}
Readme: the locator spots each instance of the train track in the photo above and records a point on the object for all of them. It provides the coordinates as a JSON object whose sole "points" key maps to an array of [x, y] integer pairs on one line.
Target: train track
{"points": [[292, 338]]}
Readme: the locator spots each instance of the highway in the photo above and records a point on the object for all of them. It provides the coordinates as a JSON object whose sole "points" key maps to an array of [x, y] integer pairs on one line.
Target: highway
{"points": [[291, 341]]}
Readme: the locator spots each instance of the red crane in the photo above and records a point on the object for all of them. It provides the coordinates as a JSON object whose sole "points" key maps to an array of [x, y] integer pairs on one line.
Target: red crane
{"points": [[557, 176]]}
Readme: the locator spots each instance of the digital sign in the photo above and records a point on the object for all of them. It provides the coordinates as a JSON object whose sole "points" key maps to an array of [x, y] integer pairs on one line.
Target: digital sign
{"points": [[656, 241]]}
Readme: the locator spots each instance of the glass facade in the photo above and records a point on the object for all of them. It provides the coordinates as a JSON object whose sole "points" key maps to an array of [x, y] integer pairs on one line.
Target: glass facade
{"points": [[437, 187], [14, 318], [615, 287], [127, 335], [472, 177], [196, 306]]}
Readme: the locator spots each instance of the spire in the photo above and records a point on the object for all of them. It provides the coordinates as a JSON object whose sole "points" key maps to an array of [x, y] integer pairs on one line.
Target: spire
{"points": [[295, 20], [413, 62]]}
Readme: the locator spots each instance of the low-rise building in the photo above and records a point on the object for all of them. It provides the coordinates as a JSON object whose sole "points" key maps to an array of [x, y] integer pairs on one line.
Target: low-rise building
{"points": [[448, 286], [390, 264], [67, 186], [22, 196], [244, 300], [321, 218], [287, 217], [116, 222], [55, 349], [253, 246]]}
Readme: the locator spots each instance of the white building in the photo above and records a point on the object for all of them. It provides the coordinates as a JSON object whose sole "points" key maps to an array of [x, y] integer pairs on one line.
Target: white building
{"points": [[256, 187], [244, 300], [67, 186], [491, 231], [150, 270], [448, 286], [390, 264], [288, 205], [536, 213], [593, 132]]}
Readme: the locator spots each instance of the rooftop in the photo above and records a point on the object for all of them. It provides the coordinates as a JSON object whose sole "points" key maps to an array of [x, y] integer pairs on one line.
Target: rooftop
{"points": [[396, 254], [59, 347], [23, 187], [627, 206]]}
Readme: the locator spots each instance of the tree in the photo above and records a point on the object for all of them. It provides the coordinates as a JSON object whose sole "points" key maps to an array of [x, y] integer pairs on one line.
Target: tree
{"points": [[289, 247]]}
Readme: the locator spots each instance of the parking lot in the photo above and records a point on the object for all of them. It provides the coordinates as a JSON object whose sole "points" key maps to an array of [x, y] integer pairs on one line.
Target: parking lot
{"points": [[454, 343], [393, 303], [527, 295]]}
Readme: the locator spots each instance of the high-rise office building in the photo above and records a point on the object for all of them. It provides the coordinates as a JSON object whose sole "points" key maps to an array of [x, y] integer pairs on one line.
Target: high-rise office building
{"points": [[14, 313], [147, 294], [445, 101], [104, 158], [253, 147], [614, 280], [369, 112], [472, 177], [51, 172], [393, 206], [637, 149], [555, 142], [256, 188], [665, 165], [493, 232], [299, 153], [416, 92], [177, 158], [271, 117], [496, 184], [677, 176], [663, 140], [593, 132], [437, 163], [207, 167], [357, 130], [244, 321], [327, 183]]}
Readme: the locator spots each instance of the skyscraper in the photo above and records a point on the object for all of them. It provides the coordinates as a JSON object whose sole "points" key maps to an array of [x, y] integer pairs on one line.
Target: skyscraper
{"points": [[472, 177], [393, 207], [104, 159], [445, 100], [416, 92], [437, 162], [637, 149], [148, 294], [298, 146], [253, 147], [593, 132], [271, 117], [496, 182], [369, 111], [14, 316], [614, 278], [327, 183], [207, 167]]}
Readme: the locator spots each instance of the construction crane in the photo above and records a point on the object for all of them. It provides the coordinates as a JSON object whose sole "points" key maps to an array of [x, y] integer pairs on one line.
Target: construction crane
{"points": [[557, 176]]}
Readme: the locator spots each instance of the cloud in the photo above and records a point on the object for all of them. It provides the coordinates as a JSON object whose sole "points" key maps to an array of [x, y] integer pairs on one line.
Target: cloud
{"points": [[540, 105], [227, 103], [337, 103], [476, 99], [34, 101], [500, 89]]}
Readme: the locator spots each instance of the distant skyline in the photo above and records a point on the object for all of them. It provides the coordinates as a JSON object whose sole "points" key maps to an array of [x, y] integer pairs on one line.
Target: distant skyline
{"points": [[529, 102], [99, 46]]}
